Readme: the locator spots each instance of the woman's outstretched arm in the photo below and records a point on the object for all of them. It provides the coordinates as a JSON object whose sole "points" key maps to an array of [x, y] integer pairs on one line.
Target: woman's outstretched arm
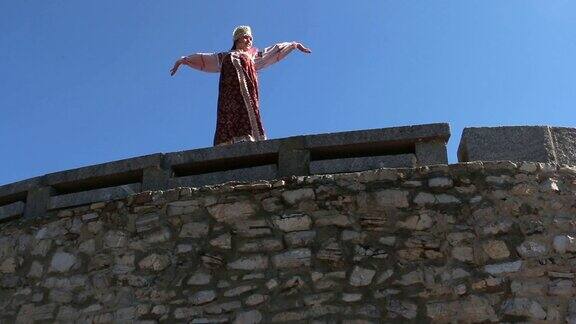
{"points": [[207, 62], [275, 53]]}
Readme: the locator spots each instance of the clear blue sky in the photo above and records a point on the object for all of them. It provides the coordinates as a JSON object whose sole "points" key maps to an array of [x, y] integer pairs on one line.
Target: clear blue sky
{"points": [[86, 82]]}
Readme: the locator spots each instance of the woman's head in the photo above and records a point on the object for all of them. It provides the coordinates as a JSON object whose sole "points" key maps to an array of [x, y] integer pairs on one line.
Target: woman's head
{"points": [[242, 37]]}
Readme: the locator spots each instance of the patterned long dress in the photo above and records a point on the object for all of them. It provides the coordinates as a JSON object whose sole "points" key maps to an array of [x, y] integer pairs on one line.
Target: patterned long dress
{"points": [[238, 104]]}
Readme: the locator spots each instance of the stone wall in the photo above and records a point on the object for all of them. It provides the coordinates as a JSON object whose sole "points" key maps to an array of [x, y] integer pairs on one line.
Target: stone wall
{"points": [[471, 242]]}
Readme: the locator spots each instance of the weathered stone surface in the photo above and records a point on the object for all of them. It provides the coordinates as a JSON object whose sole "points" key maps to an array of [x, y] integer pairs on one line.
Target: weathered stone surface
{"points": [[496, 249], [253, 228], [293, 258], [330, 251], [293, 196], [440, 182], [391, 198], [529, 288], [233, 212], [330, 218], [182, 207], [203, 297], [146, 222], [353, 236], [9, 265], [473, 309], [292, 222], [496, 227], [239, 290], [194, 230], [248, 317], [88, 247], [36, 269], [362, 163], [563, 288], [530, 249], [351, 297], [255, 262], [524, 307], [298, 239], [403, 308], [159, 236], [518, 143], [256, 299], [154, 262], [361, 276], [564, 243], [223, 241], [505, 267], [62, 262], [52, 230], [411, 278], [115, 239], [417, 222], [262, 245], [30, 313], [199, 278], [463, 253], [186, 312], [424, 198]]}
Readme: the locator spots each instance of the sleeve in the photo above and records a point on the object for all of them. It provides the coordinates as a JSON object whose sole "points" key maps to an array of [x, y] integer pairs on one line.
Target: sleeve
{"points": [[207, 62], [273, 54]]}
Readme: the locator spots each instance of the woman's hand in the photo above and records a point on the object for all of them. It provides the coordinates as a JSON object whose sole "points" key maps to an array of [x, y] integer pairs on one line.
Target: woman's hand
{"points": [[302, 48], [176, 66]]}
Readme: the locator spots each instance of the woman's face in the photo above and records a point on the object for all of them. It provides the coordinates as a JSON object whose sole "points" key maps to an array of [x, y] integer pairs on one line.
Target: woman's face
{"points": [[243, 43]]}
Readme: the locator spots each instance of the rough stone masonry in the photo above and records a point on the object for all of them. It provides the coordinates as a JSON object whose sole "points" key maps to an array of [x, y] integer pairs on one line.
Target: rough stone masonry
{"points": [[470, 242]]}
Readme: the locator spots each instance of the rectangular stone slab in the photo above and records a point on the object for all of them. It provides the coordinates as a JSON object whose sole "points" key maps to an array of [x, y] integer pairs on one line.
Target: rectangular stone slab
{"points": [[11, 210], [392, 135], [362, 163], [223, 152], [511, 143], [91, 196], [105, 170], [265, 172]]}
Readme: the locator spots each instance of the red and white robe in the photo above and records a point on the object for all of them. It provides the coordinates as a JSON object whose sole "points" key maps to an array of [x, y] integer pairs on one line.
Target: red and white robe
{"points": [[238, 105]]}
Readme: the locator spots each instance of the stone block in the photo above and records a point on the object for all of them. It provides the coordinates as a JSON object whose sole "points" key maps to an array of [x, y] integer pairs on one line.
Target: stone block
{"points": [[293, 259], [37, 202], [383, 136], [361, 276], [293, 157], [564, 144], [223, 152], [103, 173], [155, 178], [91, 196], [518, 143], [265, 172], [11, 210], [362, 163], [524, 307], [431, 152], [255, 262]]}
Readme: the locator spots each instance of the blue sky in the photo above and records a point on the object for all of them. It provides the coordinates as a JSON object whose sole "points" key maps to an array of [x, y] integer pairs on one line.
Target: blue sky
{"points": [[86, 82]]}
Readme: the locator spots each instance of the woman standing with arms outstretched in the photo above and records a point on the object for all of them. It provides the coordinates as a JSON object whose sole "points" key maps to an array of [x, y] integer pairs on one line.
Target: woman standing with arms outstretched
{"points": [[238, 105]]}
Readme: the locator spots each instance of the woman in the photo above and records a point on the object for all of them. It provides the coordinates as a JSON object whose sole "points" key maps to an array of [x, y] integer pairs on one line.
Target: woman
{"points": [[238, 109]]}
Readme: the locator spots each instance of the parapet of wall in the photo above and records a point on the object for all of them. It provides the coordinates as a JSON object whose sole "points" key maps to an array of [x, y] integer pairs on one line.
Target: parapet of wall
{"points": [[352, 151], [471, 242]]}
